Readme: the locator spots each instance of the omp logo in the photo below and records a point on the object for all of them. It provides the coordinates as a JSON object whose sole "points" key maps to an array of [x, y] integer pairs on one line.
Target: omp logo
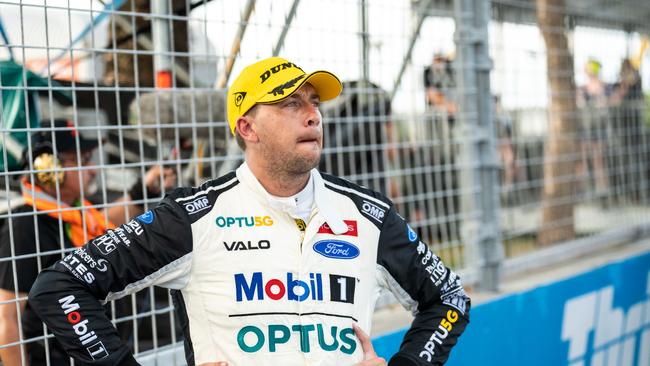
{"points": [[275, 69], [351, 224], [248, 221], [598, 332], [441, 333], [252, 339], [199, 204], [342, 288], [373, 210], [80, 327], [336, 249]]}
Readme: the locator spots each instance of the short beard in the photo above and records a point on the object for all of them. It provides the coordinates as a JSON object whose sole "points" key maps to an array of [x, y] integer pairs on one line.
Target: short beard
{"points": [[287, 165]]}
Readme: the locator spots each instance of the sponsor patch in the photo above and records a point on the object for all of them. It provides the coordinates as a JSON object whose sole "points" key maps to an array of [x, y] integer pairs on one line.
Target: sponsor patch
{"points": [[247, 245], [81, 327], [105, 244], [275, 69], [375, 212], [413, 236], [84, 272], [133, 226], [274, 338], [146, 217], [101, 264], [198, 205], [336, 249], [342, 288], [239, 98], [300, 223], [244, 221], [439, 335], [97, 351], [352, 228], [258, 286]]}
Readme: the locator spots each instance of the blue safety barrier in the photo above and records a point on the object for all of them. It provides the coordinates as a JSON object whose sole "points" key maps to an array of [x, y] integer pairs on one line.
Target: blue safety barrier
{"points": [[598, 318]]}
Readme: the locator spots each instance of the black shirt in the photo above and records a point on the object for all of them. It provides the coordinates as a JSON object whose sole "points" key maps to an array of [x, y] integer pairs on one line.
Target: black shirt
{"points": [[51, 234]]}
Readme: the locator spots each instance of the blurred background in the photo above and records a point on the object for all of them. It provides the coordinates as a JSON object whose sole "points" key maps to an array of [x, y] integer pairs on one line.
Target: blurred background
{"points": [[511, 134]]}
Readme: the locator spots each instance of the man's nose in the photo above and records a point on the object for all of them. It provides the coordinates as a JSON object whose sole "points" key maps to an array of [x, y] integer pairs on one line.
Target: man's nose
{"points": [[313, 116]]}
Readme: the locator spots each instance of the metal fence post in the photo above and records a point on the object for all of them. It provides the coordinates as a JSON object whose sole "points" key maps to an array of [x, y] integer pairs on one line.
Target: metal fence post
{"points": [[478, 162], [161, 43]]}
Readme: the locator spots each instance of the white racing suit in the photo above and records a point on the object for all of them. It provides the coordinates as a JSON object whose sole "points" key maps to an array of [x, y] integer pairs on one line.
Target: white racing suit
{"points": [[250, 287]]}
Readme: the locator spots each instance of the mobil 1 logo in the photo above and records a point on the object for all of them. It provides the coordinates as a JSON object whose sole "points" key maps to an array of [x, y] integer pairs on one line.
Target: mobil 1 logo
{"points": [[255, 287]]}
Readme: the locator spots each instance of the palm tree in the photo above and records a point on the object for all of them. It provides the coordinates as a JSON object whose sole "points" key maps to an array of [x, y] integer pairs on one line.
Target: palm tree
{"points": [[557, 206]]}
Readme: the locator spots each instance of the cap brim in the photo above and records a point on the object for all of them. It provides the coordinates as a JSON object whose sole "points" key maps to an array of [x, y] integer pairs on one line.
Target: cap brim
{"points": [[327, 85]]}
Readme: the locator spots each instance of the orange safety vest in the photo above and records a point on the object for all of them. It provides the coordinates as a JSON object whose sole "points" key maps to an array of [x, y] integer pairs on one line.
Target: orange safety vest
{"points": [[95, 223]]}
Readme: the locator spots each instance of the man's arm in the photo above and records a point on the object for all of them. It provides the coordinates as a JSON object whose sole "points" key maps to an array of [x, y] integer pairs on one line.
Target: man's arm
{"points": [[10, 356], [120, 214], [155, 248], [424, 285]]}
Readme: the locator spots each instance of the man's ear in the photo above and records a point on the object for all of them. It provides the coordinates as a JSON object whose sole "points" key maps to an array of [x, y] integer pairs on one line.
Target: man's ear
{"points": [[245, 129]]}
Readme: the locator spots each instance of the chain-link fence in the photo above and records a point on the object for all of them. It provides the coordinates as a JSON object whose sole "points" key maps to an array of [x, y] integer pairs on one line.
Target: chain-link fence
{"points": [[496, 138]]}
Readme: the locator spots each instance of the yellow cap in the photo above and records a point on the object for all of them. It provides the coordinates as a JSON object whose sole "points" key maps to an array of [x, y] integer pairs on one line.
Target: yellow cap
{"points": [[271, 80]]}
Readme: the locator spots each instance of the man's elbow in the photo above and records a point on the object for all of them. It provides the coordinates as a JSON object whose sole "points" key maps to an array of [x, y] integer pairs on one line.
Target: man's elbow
{"points": [[8, 322], [44, 290]]}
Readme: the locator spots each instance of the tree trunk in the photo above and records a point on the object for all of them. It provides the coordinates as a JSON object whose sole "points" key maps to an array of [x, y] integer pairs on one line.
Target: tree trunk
{"points": [[560, 148], [119, 38]]}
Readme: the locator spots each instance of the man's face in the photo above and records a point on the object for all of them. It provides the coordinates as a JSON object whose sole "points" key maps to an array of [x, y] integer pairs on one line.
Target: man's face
{"points": [[72, 184], [290, 132]]}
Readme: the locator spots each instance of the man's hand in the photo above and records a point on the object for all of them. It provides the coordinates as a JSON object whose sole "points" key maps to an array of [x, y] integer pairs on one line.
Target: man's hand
{"points": [[9, 327], [369, 356], [120, 214], [152, 179]]}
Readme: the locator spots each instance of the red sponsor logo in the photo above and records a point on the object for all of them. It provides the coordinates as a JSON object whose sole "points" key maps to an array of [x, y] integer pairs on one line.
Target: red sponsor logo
{"points": [[352, 228]]}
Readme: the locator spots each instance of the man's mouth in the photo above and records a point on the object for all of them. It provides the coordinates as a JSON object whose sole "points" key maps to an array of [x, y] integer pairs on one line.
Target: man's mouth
{"points": [[308, 140]]}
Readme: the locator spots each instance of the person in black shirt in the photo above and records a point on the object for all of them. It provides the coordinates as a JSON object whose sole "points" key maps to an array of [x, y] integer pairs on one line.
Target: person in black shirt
{"points": [[37, 233]]}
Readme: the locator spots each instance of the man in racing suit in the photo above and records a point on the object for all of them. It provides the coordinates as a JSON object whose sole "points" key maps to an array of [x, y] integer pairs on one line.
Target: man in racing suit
{"points": [[271, 264]]}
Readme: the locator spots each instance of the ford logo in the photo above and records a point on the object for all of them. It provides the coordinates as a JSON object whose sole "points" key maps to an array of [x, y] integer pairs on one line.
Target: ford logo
{"points": [[336, 249]]}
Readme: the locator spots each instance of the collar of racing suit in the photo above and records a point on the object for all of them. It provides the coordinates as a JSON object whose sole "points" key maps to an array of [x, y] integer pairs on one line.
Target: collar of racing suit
{"points": [[300, 205], [322, 203]]}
